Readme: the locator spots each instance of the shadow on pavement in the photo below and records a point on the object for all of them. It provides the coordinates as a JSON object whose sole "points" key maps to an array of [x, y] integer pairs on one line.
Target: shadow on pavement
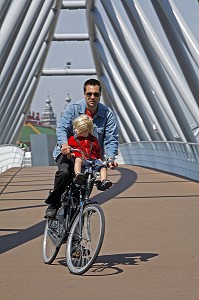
{"points": [[107, 265], [10, 241], [128, 178], [111, 264]]}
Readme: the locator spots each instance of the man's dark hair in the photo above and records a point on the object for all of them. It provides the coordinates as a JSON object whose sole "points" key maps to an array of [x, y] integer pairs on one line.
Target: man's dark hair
{"points": [[92, 82]]}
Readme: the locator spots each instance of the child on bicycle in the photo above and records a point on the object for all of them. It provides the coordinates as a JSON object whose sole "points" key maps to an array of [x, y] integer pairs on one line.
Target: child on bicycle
{"points": [[84, 140]]}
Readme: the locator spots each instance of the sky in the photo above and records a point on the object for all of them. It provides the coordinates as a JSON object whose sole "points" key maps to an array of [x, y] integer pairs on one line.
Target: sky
{"points": [[79, 54]]}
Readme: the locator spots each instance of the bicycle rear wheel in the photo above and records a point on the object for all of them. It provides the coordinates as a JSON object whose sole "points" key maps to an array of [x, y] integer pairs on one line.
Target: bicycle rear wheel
{"points": [[50, 247], [83, 248]]}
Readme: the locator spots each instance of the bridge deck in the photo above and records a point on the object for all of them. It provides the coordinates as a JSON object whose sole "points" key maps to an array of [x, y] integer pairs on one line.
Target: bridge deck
{"points": [[151, 246]]}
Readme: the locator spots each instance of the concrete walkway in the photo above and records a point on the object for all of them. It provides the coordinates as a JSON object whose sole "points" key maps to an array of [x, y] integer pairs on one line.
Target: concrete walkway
{"points": [[151, 246]]}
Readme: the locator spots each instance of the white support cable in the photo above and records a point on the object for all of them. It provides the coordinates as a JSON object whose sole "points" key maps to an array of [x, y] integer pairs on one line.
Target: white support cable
{"points": [[28, 56], [119, 86], [92, 36], [132, 51], [25, 96], [119, 108], [20, 43], [176, 77], [4, 6], [17, 115], [143, 94], [24, 69], [92, 33], [193, 45], [123, 132], [167, 100], [172, 31], [35, 64], [11, 26], [128, 76]]}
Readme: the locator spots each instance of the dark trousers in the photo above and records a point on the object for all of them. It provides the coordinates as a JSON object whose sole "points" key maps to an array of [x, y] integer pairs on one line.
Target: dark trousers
{"points": [[63, 177]]}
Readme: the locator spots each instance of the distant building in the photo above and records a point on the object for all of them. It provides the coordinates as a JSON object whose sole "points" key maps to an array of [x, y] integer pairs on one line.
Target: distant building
{"points": [[33, 118], [39, 124], [48, 118], [68, 100], [30, 128]]}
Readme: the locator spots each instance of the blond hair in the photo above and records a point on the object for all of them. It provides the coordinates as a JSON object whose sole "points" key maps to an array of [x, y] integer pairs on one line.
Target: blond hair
{"points": [[83, 122]]}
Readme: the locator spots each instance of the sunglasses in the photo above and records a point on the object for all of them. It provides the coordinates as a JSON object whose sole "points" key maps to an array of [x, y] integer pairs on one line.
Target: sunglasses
{"points": [[89, 94]]}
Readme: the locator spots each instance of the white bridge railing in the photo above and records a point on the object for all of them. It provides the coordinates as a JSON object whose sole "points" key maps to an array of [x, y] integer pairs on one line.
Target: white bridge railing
{"points": [[173, 157], [10, 156]]}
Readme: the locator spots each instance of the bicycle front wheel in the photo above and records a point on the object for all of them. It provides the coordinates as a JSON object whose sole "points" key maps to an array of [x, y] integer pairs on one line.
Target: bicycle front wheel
{"points": [[50, 247], [83, 247]]}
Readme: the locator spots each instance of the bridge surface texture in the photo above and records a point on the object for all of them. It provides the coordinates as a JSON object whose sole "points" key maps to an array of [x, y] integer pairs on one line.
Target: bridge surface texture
{"points": [[150, 250]]}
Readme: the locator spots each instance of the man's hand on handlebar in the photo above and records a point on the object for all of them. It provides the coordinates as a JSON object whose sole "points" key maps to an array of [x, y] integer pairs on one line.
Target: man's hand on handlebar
{"points": [[111, 163], [66, 150]]}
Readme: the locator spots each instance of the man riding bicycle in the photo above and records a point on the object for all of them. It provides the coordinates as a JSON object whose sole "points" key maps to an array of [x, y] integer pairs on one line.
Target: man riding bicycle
{"points": [[104, 129]]}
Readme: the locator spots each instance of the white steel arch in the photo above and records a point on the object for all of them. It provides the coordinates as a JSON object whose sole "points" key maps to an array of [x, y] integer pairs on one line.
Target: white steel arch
{"points": [[160, 81], [26, 32], [147, 63]]}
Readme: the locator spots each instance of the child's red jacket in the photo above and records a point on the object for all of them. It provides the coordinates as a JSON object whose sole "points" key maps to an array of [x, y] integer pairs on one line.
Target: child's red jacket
{"points": [[85, 142]]}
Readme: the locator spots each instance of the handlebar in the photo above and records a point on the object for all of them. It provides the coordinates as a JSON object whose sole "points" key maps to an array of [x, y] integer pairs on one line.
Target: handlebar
{"points": [[84, 157], [106, 164], [78, 150]]}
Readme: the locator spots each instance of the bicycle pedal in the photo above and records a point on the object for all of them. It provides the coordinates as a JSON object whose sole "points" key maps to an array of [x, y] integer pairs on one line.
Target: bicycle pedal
{"points": [[79, 253]]}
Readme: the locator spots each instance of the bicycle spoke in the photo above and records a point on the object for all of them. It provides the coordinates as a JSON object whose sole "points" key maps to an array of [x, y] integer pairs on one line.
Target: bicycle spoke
{"points": [[50, 248], [81, 254]]}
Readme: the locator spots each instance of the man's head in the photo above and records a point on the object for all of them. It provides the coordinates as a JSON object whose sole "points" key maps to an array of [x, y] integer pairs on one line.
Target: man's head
{"points": [[92, 82], [92, 93]]}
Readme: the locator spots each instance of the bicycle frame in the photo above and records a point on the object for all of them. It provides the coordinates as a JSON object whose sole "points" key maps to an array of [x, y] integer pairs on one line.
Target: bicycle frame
{"points": [[83, 200], [68, 201], [76, 221]]}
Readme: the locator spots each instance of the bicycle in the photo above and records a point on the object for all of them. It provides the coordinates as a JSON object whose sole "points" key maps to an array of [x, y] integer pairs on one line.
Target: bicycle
{"points": [[79, 223]]}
